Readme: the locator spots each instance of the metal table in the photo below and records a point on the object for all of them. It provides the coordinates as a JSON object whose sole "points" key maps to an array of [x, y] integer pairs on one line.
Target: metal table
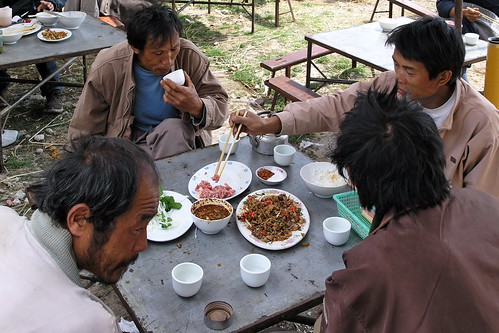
{"points": [[366, 44], [92, 36], [297, 276]]}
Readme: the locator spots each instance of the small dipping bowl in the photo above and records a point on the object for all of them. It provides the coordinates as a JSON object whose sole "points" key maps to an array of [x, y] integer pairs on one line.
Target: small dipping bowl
{"points": [[278, 176], [218, 315]]}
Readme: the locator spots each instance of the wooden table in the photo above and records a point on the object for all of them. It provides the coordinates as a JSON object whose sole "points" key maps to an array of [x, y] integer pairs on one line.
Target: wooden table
{"points": [[92, 36], [297, 276], [366, 44]]}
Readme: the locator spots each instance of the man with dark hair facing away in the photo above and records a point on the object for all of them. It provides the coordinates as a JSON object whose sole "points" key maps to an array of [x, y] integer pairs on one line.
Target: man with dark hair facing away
{"points": [[428, 57], [125, 94], [430, 262], [93, 209]]}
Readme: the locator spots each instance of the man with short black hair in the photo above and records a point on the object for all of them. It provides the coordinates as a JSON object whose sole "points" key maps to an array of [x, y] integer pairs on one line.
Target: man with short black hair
{"points": [[429, 263], [93, 209], [125, 94], [428, 58]]}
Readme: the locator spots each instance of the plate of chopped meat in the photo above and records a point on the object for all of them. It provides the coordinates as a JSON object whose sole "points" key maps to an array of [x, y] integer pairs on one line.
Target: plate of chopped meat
{"points": [[54, 35], [272, 219], [236, 178], [173, 218]]}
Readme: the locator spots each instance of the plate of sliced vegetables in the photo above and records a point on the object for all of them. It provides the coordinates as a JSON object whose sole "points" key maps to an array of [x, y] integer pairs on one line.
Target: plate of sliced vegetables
{"points": [[173, 218]]}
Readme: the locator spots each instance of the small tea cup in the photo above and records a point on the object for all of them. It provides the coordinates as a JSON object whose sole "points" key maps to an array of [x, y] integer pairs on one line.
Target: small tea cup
{"points": [[187, 278], [284, 154], [255, 269], [176, 76], [336, 230], [471, 38], [221, 143]]}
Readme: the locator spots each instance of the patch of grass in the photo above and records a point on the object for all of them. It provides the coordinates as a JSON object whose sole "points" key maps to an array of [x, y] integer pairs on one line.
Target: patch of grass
{"points": [[246, 75], [16, 163], [296, 139]]}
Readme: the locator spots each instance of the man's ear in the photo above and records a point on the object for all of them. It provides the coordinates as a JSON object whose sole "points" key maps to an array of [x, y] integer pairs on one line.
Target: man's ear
{"points": [[77, 219], [135, 50], [444, 77]]}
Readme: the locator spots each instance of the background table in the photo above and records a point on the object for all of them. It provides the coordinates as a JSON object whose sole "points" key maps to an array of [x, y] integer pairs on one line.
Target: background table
{"points": [[366, 44], [92, 36], [297, 276]]}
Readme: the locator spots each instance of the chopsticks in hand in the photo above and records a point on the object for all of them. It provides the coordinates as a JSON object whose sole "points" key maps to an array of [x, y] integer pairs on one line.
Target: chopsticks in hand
{"points": [[218, 175], [491, 19]]}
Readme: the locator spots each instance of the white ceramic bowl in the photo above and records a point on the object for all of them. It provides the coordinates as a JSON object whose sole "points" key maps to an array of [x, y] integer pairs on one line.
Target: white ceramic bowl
{"points": [[187, 278], [279, 174], [46, 19], [322, 179], [255, 269], [211, 226], [72, 19], [11, 37], [221, 143], [336, 230], [387, 24]]}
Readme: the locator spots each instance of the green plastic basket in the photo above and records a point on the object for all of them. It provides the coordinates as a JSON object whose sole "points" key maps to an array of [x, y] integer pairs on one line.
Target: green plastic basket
{"points": [[349, 208]]}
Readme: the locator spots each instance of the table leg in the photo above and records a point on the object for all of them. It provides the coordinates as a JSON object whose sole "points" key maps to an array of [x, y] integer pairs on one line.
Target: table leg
{"points": [[309, 64], [276, 13], [7, 109]]}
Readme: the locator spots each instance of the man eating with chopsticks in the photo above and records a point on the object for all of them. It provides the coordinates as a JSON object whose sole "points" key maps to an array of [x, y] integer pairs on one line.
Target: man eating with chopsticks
{"points": [[428, 58], [127, 96]]}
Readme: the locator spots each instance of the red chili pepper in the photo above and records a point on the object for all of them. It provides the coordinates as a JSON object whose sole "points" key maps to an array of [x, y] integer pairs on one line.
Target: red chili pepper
{"points": [[252, 215], [268, 201], [292, 207]]}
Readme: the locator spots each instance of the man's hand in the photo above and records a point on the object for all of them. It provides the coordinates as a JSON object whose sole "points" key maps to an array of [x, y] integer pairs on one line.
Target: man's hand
{"points": [[472, 14], [254, 124], [185, 98], [45, 5]]}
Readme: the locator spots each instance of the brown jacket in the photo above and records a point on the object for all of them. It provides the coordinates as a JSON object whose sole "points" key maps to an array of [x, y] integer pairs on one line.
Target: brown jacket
{"points": [[470, 133], [105, 104], [435, 270]]}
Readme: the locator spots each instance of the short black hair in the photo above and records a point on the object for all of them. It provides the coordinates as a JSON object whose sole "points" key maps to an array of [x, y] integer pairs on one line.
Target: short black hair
{"points": [[393, 154], [102, 172], [432, 42], [157, 23]]}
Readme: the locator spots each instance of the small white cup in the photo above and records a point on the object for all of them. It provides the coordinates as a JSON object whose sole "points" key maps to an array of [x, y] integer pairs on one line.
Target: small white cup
{"points": [[471, 38], [255, 269], [5, 16], [284, 154], [336, 230], [187, 278], [176, 76], [221, 143]]}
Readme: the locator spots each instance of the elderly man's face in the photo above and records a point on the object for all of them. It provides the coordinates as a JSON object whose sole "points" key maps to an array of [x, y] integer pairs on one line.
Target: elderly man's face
{"points": [[129, 237], [159, 59], [414, 81]]}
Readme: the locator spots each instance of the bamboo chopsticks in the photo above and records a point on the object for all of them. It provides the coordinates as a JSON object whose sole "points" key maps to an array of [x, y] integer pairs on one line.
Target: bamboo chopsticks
{"points": [[488, 18], [218, 175]]}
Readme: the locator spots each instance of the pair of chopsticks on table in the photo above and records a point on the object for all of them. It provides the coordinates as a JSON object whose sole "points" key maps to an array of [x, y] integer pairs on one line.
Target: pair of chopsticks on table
{"points": [[217, 173]]}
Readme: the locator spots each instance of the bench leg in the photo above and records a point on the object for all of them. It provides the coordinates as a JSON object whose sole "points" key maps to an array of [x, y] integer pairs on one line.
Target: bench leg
{"points": [[274, 101], [374, 10], [291, 10]]}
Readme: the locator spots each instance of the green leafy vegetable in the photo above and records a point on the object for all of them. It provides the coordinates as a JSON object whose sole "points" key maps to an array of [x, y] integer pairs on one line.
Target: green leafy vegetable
{"points": [[166, 204]]}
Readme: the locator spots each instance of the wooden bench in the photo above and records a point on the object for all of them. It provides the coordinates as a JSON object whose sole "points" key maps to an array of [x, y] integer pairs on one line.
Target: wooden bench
{"points": [[404, 4], [289, 60], [291, 90]]}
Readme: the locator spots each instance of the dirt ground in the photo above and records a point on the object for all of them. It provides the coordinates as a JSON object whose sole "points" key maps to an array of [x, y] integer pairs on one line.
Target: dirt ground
{"points": [[25, 159]]}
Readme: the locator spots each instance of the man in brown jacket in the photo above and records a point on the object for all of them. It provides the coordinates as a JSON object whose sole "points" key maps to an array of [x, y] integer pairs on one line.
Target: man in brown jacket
{"points": [[126, 96], [430, 265], [428, 58]]}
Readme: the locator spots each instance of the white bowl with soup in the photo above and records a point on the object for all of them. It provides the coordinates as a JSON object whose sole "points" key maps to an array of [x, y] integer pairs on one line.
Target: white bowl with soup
{"points": [[211, 215]]}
